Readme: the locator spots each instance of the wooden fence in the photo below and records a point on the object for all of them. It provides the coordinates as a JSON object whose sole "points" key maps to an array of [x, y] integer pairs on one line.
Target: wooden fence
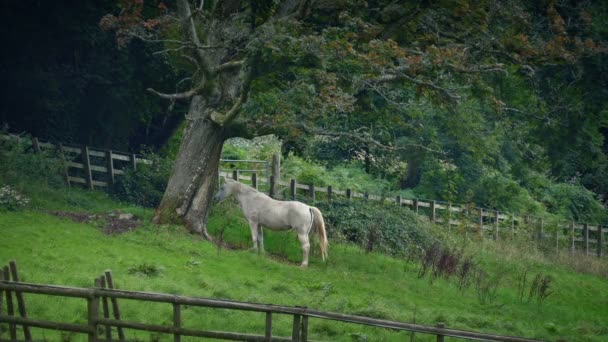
{"points": [[577, 238], [98, 315], [93, 167]]}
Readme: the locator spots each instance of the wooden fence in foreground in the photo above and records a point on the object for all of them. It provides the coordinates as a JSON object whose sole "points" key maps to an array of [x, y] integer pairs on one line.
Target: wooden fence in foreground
{"points": [[98, 315], [94, 167]]}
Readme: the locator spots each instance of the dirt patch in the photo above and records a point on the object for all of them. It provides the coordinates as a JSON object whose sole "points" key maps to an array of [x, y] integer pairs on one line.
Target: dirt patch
{"points": [[115, 222]]}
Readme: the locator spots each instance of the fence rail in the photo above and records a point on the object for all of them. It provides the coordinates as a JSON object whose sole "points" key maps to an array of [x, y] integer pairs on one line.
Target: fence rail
{"points": [[98, 296]]}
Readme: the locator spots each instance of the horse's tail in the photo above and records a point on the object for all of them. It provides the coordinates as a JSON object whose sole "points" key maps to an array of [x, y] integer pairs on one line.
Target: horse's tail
{"points": [[320, 225]]}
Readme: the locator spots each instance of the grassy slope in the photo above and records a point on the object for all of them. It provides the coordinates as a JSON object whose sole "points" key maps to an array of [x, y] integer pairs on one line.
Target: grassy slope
{"points": [[58, 251]]}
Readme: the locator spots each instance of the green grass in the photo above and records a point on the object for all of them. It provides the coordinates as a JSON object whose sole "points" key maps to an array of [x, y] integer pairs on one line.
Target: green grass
{"points": [[54, 250]]}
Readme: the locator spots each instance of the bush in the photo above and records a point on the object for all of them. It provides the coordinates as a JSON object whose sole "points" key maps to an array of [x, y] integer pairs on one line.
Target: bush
{"points": [[145, 186], [19, 166], [377, 227], [12, 200]]}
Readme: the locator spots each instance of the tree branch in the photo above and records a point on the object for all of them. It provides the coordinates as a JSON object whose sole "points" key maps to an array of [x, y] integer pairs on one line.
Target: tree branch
{"points": [[229, 65], [448, 93], [176, 96], [232, 113]]}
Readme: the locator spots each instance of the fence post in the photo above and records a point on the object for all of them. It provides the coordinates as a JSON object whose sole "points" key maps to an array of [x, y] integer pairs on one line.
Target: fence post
{"points": [[586, 237], [433, 211], [449, 216], [311, 192], [415, 205], [366, 195], [273, 187], [66, 168], [600, 240], [276, 167], [557, 239], [20, 301], [398, 200], [349, 194], [254, 180], [110, 166], [292, 189], [304, 336], [134, 162], [496, 224], [329, 193], [440, 338], [481, 221], [177, 321], [105, 308], [86, 161], [121, 333], [235, 175], [10, 310], [572, 247], [295, 335], [268, 331], [35, 145], [93, 313]]}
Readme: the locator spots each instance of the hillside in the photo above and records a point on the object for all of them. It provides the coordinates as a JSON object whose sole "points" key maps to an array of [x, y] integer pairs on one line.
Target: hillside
{"points": [[57, 250]]}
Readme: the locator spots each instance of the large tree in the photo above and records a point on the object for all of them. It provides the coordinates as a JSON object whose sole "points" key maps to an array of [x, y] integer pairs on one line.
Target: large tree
{"points": [[366, 71]]}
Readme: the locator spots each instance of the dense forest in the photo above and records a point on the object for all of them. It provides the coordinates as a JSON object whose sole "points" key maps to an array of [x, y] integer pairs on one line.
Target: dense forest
{"points": [[499, 103]]}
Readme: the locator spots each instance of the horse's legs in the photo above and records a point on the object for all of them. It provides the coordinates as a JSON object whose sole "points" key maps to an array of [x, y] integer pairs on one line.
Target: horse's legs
{"points": [[254, 233], [303, 237], [260, 238]]}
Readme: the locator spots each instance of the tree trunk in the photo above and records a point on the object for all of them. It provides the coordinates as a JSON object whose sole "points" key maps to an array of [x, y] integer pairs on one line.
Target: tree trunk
{"points": [[193, 180], [411, 178]]}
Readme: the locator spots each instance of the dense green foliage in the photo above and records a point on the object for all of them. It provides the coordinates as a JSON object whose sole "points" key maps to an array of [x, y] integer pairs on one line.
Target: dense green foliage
{"points": [[377, 227]]}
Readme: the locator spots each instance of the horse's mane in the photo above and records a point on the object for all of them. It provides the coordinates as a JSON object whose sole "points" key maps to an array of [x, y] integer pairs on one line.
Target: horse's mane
{"points": [[244, 188]]}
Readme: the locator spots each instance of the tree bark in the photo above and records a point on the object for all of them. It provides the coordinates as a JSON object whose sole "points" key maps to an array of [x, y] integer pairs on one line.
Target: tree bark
{"points": [[193, 180]]}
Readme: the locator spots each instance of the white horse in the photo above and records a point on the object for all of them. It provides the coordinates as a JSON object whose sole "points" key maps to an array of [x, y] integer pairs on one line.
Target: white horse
{"points": [[261, 210]]}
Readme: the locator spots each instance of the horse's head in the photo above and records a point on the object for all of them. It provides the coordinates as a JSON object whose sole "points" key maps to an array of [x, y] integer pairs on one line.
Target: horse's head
{"points": [[226, 189]]}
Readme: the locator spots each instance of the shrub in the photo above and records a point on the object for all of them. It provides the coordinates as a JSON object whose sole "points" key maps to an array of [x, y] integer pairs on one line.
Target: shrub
{"points": [[19, 166], [377, 227], [147, 184]]}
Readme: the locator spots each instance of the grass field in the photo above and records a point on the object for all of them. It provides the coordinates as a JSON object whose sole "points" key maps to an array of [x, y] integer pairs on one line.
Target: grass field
{"points": [[55, 250]]}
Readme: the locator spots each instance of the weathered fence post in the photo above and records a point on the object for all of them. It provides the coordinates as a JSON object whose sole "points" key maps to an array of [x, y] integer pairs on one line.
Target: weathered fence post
{"points": [[600, 240], [35, 145], [496, 223], [349, 194], [276, 167], [311, 192], [66, 168], [480, 221], [110, 166], [572, 239], [115, 309], [415, 205], [20, 301], [440, 338], [268, 330], [10, 309], [586, 237], [177, 321], [295, 335], [134, 158], [93, 313], [292, 189], [235, 175], [86, 161], [254, 180], [398, 200], [433, 211], [273, 187], [105, 307], [329, 193], [304, 336], [366, 196]]}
